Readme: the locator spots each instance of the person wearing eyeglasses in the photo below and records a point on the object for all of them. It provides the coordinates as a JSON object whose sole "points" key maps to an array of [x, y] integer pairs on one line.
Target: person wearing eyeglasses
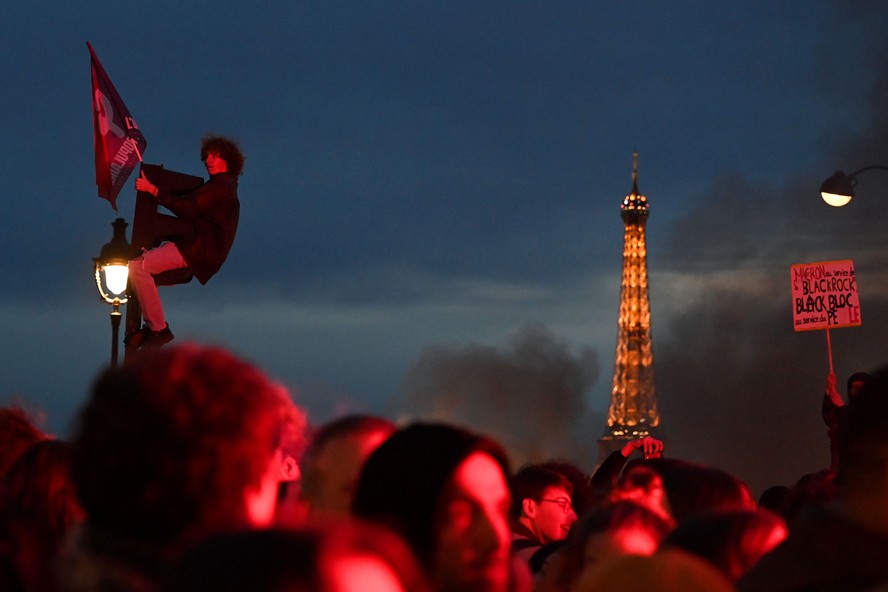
{"points": [[542, 510]]}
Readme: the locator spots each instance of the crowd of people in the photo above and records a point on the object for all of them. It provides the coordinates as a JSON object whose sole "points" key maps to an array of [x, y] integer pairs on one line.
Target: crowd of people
{"points": [[190, 470]]}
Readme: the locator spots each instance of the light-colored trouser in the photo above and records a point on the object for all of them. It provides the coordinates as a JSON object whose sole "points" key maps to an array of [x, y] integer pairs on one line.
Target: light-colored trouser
{"points": [[142, 270]]}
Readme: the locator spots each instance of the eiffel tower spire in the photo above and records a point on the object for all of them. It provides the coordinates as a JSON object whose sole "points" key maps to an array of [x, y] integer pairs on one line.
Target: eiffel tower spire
{"points": [[633, 409]]}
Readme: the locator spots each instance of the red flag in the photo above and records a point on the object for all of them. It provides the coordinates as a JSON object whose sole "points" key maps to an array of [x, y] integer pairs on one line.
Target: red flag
{"points": [[118, 142]]}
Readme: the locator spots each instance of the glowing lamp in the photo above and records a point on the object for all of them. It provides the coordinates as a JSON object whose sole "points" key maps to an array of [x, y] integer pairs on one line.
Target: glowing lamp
{"points": [[116, 275], [112, 272], [838, 190]]}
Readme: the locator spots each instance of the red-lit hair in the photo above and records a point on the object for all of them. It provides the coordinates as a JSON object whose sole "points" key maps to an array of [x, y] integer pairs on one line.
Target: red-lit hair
{"points": [[227, 149], [167, 445]]}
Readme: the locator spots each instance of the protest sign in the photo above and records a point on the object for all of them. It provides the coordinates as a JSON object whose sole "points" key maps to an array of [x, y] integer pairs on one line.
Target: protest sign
{"points": [[824, 295]]}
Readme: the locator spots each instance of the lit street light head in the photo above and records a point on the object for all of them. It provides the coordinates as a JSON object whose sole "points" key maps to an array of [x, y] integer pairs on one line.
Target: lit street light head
{"points": [[113, 261], [838, 190], [112, 264]]}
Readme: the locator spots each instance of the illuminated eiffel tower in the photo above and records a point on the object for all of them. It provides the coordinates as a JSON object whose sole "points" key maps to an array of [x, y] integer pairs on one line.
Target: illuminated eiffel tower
{"points": [[633, 406]]}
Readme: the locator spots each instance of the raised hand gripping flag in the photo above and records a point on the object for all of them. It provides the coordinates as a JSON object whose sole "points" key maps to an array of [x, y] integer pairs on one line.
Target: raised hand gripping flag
{"points": [[118, 142]]}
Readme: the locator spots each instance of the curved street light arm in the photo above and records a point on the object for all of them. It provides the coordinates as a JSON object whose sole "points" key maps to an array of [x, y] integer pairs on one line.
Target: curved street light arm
{"points": [[869, 168]]}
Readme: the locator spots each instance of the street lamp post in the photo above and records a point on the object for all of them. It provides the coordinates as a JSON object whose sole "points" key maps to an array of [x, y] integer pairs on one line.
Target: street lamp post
{"points": [[112, 266], [838, 190]]}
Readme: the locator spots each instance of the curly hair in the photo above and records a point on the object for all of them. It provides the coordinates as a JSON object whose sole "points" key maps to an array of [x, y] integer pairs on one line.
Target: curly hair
{"points": [[167, 445], [227, 149]]}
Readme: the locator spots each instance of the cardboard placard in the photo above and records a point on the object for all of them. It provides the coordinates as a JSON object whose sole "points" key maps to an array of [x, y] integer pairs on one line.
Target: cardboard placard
{"points": [[824, 295]]}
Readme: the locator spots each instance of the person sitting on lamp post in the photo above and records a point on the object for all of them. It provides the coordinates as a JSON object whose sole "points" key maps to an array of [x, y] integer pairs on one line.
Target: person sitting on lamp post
{"points": [[207, 221]]}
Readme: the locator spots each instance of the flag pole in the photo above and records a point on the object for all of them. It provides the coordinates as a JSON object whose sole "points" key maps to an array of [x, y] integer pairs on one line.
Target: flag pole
{"points": [[136, 148]]}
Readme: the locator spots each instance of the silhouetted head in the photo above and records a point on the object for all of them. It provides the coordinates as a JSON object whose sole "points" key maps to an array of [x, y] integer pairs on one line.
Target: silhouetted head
{"points": [[667, 571], [17, 433], [641, 484], [621, 528], [776, 499], [692, 489], [611, 531], [333, 462], [864, 438], [38, 487], [855, 383], [733, 541]]}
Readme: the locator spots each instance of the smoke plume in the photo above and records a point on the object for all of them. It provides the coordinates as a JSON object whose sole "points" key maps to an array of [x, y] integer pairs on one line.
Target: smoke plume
{"points": [[528, 394]]}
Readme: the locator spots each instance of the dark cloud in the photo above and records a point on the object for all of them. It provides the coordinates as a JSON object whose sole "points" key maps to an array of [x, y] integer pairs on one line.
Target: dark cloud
{"points": [[737, 386], [740, 389]]}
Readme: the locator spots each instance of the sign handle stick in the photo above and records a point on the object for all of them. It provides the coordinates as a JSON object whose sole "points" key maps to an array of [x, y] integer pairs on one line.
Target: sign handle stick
{"points": [[829, 351]]}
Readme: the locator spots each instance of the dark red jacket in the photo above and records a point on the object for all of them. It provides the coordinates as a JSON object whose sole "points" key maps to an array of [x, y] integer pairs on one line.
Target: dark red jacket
{"points": [[213, 209]]}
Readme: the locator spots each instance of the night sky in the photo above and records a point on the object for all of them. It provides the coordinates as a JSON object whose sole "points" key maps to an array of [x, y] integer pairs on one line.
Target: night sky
{"points": [[430, 206]]}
